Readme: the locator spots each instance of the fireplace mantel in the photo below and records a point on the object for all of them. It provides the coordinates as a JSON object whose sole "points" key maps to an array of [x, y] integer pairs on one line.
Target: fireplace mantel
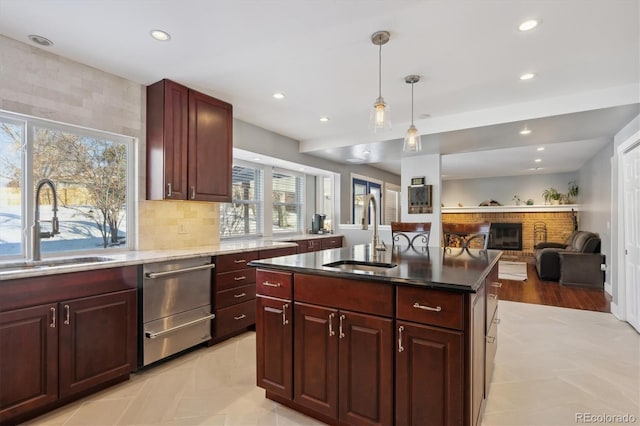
{"points": [[513, 209]]}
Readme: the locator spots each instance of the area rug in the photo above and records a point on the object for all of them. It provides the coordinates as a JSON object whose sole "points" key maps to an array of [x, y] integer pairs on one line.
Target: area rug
{"points": [[515, 271]]}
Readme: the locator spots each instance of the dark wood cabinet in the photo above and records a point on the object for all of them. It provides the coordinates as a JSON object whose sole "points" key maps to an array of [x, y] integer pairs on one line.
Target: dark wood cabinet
{"points": [[64, 335], [97, 340], [429, 375], [189, 144], [318, 243], [28, 360]]}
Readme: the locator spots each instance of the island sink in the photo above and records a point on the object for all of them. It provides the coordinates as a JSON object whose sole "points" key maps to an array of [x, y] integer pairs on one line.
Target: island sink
{"points": [[357, 265]]}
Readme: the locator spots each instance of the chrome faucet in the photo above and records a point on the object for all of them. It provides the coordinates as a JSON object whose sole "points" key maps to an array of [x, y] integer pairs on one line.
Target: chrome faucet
{"points": [[375, 242], [36, 234]]}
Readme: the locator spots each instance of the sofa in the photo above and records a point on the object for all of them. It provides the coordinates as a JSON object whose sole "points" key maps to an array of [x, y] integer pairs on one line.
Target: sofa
{"points": [[575, 263]]}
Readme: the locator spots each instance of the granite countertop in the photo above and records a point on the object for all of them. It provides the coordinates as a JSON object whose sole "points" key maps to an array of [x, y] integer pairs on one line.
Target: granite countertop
{"points": [[435, 267], [127, 258]]}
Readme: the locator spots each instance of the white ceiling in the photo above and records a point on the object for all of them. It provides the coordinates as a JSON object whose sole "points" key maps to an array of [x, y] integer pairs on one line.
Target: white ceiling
{"points": [[469, 54]]}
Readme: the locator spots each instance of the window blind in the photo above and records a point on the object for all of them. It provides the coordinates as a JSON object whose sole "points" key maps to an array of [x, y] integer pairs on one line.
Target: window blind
{"points": [[288, 201], [243, 216]]}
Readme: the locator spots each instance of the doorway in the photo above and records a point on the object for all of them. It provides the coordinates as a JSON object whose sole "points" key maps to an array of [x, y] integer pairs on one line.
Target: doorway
{"points": [[630, 253]]}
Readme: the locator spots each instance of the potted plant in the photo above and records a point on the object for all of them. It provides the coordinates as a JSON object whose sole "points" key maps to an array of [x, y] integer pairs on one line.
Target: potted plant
{"points": [[551, 196], [571, 196]]}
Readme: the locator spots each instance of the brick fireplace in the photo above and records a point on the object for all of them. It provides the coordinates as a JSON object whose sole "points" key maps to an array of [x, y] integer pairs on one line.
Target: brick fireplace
{"points": [[557, 224]]}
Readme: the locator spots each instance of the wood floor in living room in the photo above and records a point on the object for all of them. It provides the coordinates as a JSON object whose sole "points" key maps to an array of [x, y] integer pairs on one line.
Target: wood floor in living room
{"points": [[535, 290]]}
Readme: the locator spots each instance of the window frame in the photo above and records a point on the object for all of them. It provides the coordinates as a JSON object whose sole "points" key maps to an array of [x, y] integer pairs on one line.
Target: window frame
{"points": [[27, 207], [300, 201], [260, 218]]}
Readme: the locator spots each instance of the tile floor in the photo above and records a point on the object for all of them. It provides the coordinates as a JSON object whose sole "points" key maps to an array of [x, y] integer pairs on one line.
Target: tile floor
{"points": [[551, 364]]}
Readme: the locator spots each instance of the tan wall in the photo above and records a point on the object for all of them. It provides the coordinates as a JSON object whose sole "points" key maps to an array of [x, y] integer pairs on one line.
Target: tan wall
{"points": [[558, 225]]}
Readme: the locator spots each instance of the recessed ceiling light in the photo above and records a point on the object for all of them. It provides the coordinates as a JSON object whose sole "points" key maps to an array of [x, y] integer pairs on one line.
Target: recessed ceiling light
{"points": [[540, 148], [42, 41], [257, 159], [538, 160], [528, 25], [278, 95], [366, 152], [527, 76], [160, 35], [324, 119], [525, 131]]}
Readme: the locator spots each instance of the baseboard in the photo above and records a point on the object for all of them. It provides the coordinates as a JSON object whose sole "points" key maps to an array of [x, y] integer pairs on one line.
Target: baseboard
{"points": [[615, 311], [608, 288]]}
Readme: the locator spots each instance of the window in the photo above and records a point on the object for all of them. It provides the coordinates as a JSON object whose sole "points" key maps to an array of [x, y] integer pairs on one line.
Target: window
{"points": [[92, 172], [288, 201], [243, 216], [325, 199], [359, 189], [391, 203]]}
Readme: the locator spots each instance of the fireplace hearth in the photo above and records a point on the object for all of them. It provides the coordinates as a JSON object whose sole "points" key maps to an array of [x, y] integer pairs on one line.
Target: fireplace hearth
{"points": [[505, 236]]}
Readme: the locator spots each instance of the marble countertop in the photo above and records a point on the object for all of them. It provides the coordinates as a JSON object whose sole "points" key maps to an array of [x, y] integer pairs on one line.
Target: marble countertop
{"points": [[126, 258], [434, 267]]}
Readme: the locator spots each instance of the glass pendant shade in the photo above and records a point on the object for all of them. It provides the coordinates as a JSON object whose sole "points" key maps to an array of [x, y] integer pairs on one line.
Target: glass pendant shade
{"points": [[412, 142], [379, 119]]}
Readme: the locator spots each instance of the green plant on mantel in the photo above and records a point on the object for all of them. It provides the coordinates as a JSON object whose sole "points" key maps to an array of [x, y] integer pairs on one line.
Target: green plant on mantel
{"points": [[552, 196], [571, 196]]}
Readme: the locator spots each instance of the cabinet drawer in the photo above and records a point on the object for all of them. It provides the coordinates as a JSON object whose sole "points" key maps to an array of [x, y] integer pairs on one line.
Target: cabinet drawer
{"points": [[332, 242], [235, 279], [235, 318], [235, 295], [275, 284], [284, 251], [429, 306], [231, 262], [360, 296]]}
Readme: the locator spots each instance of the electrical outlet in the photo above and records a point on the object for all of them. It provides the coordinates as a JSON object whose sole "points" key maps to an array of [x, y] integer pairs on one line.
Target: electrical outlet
{"points": [[603, 266]]}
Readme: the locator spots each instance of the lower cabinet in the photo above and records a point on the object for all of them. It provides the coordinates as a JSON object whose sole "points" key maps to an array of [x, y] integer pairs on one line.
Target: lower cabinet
{"points": [[343, 364], [55, 351], [274, 346], [429, 375]]}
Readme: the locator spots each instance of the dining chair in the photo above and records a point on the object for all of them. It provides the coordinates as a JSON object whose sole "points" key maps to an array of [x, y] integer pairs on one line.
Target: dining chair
{"points": [[411, 231], [464, 233]]}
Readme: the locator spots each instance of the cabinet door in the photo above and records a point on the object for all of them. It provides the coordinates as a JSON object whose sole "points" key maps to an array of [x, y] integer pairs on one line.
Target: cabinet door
{"points": [[210, 148], [274, 346], [365, 369], [477, 356], [167, 139], [97, 340], [316, 358], [429, 375], [28, 360]]}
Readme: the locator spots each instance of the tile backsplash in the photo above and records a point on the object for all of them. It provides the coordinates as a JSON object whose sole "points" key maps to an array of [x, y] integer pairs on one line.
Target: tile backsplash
{"points": [[177, 224]]}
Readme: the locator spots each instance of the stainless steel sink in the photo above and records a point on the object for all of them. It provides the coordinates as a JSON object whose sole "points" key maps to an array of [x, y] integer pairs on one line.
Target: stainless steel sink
{"points": [[358, 265], [48, 263]]}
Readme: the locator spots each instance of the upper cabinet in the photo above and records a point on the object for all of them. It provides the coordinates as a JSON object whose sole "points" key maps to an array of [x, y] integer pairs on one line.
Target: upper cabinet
{"points": [[189, 144]]}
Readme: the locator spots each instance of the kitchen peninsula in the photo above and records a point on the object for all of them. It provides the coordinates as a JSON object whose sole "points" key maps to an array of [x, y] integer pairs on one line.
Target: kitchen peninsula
{"points": [[355, 336]]}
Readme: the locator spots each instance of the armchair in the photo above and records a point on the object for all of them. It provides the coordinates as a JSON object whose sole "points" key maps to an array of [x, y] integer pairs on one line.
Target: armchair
{"points": [[577, 262]]}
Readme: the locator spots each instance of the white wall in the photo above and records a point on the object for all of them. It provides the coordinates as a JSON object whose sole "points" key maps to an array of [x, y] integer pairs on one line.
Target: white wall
{"points": [[429, 167], [472, 192]]}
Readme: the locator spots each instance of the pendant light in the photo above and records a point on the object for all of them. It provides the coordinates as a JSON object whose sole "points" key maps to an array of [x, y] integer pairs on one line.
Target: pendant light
{"points": [[412, 141], [379, 119]]}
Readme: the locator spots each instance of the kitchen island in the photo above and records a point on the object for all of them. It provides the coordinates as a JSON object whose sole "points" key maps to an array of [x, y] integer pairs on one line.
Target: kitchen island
{"points": [[355, 336]]}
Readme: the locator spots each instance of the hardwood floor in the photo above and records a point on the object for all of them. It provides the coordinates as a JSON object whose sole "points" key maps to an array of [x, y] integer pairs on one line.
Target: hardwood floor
{"points": [[534, 290]]}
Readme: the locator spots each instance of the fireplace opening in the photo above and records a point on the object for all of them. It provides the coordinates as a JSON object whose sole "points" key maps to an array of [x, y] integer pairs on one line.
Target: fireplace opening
{"points": [[505, 236]]}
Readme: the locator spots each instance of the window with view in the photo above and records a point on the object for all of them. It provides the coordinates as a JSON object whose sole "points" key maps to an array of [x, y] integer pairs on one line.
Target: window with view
{"points": [[243, 216], [288, 201], [92, 172]]}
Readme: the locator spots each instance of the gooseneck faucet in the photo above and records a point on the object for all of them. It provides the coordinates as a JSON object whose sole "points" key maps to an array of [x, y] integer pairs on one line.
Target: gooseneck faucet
{"points": [[36, 234], [375, 242]]}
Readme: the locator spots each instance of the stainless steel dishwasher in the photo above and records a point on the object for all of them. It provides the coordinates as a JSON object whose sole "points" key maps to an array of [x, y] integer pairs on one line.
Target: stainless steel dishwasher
{"points": [[176, 307]]}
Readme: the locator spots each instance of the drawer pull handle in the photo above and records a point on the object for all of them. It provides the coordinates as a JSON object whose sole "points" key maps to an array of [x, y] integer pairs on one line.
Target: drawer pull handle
{"points": [[238, 296], [243, 316], [341, 334], [268, 284], [239, 278], [285, 321], [180, 271], [193, 192], [331, 332], [169, 190], [492, 296], [66, 314], [427, 308], [496, 284], [154, 334], [400, 348], [240, 261], [53, 318], [491, 339]]}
